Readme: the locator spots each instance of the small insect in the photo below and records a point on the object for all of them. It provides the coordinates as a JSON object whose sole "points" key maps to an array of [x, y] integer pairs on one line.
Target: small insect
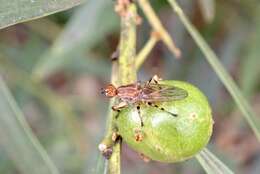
{"points": [[149, 93]]}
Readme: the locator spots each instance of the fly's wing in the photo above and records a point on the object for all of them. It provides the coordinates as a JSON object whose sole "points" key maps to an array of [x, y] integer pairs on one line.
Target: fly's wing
{"points": [[161, 93]]}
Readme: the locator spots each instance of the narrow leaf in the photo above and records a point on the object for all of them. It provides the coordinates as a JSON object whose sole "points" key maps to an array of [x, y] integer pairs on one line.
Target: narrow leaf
{"points": [[18, 140], [16, 11], [250, 61], [226, 79], [211, 164]]}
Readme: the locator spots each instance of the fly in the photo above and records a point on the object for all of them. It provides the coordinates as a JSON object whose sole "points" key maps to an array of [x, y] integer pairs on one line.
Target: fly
{"points": [[149, 93]]}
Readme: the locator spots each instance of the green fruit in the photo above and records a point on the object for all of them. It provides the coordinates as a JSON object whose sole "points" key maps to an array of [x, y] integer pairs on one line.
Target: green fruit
{"points": [[164, 137]]}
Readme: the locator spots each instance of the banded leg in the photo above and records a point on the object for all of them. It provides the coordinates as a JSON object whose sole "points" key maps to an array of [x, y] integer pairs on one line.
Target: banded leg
{"points": [[139, 114], [118, 107], [162, 109], [117, 114], [153, 80]]}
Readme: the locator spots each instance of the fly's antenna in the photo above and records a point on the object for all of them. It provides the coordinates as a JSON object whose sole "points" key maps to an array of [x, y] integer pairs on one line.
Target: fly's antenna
{"points": [[102, 91]]}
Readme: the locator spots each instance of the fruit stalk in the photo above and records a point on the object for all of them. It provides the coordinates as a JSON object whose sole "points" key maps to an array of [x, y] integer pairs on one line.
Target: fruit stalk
{"points": [[123, 72]]}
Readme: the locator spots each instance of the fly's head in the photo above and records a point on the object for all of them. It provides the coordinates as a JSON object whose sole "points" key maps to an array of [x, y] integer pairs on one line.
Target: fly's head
{"points": [[109, 91]]}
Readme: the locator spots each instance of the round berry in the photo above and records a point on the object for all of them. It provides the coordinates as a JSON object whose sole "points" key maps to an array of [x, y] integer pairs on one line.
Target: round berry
{"points": [[171, 131]]}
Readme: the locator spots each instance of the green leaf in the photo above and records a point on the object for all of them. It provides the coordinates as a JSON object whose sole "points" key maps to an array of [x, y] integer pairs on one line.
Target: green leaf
{"points": [[85, 29], [18, 140], [250, 61], [17, 11], [226, 79], [211, 164]]}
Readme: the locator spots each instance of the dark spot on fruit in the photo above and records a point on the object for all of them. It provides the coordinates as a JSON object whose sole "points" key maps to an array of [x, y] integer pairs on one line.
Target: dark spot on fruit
{"points": [[193, 116], [158, 148], [138, 135]]}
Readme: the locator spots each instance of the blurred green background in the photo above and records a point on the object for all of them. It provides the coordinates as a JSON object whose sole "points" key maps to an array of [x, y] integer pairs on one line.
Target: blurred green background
{"points": [[56, 65]]}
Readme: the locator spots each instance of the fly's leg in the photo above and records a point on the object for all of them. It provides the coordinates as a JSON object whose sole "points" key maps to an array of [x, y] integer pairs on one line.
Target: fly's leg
{"points": [[119, 106], [139, 114], [138, 133], [162, 109], [116, 110], [153, 80]]}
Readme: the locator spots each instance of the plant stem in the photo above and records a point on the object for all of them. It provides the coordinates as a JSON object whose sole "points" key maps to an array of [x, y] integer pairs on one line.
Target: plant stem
{"points": [[142, 55], [108, 142], [127, 47], [125, 73], [114, 161], [158, 27], [220, 70]]}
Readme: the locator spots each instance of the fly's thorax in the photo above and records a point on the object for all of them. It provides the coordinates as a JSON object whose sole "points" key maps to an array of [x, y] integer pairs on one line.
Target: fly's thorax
{"points": [[128, 98], [129, 93]]}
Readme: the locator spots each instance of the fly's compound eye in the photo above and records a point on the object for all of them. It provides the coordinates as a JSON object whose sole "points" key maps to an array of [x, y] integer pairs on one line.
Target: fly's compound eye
{"points": [[109, 91], [102, 91]]}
